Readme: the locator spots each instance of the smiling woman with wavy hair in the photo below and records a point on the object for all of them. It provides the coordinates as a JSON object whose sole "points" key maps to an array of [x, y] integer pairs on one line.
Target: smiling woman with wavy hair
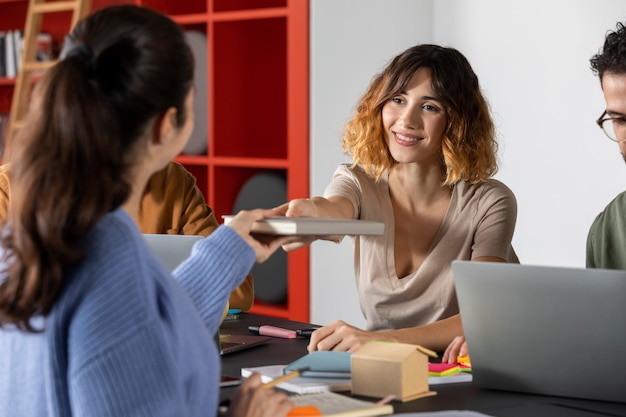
{"points": [[423, 151], [469, 145]]}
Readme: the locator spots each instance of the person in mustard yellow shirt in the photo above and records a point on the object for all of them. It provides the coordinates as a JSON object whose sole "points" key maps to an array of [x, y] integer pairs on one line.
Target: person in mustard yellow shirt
{"points": [[171, 204]]}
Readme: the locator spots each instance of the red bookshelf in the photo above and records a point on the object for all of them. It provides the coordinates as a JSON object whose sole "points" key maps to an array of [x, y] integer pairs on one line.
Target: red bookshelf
{"points": [[257, 105]]}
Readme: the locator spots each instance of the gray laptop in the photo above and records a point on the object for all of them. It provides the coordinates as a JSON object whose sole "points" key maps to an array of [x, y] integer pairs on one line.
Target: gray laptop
{"points": [[171, 249], [174, 249], [544, 330]]}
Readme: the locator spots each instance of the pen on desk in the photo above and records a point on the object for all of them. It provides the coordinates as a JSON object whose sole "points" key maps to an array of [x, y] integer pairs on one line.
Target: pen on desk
{"points": [[427, 351], [306, 332], [266, 330], [291, 375]]}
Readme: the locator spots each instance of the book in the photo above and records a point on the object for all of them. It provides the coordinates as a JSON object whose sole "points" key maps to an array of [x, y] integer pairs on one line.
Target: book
{"points": [[9, 51], [315, 226], [323, 364], [299, 385], [333, 404], [17, 49], [3, 65], [44, 47]]}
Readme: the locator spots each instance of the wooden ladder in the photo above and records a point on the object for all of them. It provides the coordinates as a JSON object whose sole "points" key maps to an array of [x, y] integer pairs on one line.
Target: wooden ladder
{"points": [[28, 63]]}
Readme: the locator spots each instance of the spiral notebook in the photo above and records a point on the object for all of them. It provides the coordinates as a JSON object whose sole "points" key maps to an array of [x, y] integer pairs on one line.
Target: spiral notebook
{"points": [[338, 405]]}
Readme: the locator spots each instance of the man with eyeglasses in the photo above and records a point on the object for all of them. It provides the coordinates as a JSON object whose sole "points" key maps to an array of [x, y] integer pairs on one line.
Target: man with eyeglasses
{"points": [[606, 242]]}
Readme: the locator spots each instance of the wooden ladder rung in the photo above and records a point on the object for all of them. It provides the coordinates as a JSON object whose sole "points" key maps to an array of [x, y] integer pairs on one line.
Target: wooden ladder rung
{"points": [[55, 6], [19, 124], [38, 65]]}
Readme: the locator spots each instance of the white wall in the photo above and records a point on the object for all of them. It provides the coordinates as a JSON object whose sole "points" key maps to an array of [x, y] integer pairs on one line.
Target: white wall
{"points": [[351, 40], [532, 58]]}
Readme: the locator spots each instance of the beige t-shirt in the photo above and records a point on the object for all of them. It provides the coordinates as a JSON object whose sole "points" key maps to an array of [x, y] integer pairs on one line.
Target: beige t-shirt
{"points": [[479, 222]]}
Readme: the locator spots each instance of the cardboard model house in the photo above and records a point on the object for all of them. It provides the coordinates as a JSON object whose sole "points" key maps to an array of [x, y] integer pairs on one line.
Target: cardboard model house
{"points": [[385, 368]]}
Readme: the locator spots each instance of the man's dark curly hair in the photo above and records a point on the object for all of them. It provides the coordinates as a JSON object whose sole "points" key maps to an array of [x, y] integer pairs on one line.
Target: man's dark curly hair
{"points": [[612, 57]]}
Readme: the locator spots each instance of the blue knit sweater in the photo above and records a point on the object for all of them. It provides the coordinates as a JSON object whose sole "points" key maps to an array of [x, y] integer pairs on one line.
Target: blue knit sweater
{"points": [[124, 338]]}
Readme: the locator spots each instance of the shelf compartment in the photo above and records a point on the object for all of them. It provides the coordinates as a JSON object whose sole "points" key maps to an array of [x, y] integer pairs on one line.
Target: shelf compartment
{"points": [[13, 15], [228, 182], [6, 93], [202, 177], [249, 102], [191, 24], [177, 7], [250, 162], [273, 310], [297, 306], [230, 5]]}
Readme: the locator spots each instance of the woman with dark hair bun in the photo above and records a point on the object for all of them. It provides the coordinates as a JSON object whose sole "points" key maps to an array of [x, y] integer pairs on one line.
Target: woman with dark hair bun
{"points": [[423, 151], [91, 323]]}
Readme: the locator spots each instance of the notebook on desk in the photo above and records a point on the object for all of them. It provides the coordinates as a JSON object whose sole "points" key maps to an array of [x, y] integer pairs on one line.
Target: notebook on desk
{"points": [[544, 330], [172, 250]]}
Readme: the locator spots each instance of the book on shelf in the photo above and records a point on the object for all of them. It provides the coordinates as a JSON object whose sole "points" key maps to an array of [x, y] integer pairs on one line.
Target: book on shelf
{"points": [[11, 50], [336, 405], [315, 226], [3, 65], [44, 47], [9, 55], [18, 46]]}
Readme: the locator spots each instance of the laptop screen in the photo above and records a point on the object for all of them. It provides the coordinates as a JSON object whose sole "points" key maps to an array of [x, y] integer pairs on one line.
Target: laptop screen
{"points": [[171, 249]]}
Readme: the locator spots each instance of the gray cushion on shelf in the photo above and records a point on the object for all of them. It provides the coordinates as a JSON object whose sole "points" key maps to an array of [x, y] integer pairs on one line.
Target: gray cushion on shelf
{"points": [[267, 190], [198, 141]]}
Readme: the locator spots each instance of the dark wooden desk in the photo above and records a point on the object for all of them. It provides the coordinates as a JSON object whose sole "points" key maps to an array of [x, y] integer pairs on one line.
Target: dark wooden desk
{"points": [[461, 396]]}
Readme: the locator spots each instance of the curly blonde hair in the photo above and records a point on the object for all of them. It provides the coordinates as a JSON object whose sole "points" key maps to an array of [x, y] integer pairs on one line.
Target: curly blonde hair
{"points": [[469, 145]]}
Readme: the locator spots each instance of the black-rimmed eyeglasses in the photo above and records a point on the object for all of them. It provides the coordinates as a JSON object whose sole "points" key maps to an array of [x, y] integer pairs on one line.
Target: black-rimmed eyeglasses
{"points": [[614, 127]]}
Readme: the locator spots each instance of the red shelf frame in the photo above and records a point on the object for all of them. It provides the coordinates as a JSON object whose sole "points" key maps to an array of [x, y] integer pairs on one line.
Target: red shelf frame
{"points": [[258, 112]]}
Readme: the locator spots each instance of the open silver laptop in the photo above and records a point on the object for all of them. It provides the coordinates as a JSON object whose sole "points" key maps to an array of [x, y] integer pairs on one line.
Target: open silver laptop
{"points": [[174, 249], [171, 249], [544, 330]]}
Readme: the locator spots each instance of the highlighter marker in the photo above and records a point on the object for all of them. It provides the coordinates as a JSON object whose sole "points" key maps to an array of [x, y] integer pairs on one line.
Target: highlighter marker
{"points": [[266, 330]]}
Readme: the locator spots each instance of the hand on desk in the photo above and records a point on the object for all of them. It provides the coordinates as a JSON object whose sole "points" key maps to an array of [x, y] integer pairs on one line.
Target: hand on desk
{"points": [[435, 336], [252, 399], [457, 348], [340, 336]]}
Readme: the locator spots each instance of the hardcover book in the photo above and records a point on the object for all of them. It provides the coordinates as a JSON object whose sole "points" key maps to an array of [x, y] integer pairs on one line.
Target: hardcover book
{"points": [[315, 226]]}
